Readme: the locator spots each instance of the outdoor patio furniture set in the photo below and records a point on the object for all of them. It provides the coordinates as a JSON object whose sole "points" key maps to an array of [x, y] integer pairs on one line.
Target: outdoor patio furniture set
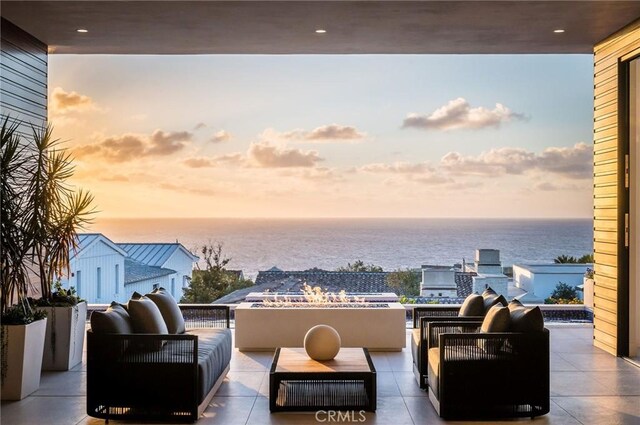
{"points": [[485, 359], [482, 359]]}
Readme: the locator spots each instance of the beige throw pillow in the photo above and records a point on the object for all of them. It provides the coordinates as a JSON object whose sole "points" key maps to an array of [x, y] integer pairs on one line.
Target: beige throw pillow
{"points": [[496, 320], [473, 305]]}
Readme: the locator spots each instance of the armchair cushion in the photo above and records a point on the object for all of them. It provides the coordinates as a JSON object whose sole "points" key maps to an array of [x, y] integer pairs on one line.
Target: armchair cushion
{"points": [[492, 298], [496, 320], [473, 305], [525, 319], [115, 320], [169, 310]]}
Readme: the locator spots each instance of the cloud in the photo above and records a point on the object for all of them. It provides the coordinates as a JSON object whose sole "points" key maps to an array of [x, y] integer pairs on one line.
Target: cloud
{"points": [[128, 147], [321, 174], [63, 102], [199, 126], [166, 143], [198, 162], [220, 136], [397, 168], [458, 114], [331, 133], [421, 172], [265, 155], [575, 162], [213, 161], [571, 162]]}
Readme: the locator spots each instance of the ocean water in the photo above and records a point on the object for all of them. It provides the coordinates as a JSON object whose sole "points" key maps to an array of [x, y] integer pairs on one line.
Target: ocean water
{"points": [[299, 244]]}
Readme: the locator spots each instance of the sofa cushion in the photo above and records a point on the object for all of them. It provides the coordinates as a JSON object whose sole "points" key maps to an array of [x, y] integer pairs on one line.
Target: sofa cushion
{"points": [[515, 303], [525, 319], [145, 315], [169, 309], [496, 320], [492, 298], [473, 305], [115, 320], [214, 355]]}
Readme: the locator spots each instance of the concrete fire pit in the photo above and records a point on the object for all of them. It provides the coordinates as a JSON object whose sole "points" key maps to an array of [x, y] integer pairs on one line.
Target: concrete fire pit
{"points": [[376, 326]]}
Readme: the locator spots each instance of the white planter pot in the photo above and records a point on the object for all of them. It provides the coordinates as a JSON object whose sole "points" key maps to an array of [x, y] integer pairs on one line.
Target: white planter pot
{"points": [[381, 329], [65, 336], [23, 356]]}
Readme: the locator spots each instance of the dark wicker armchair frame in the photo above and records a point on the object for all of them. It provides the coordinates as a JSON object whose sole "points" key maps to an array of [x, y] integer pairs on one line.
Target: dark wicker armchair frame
{"points": [[139, 385], [509, 377], [421, 318]]}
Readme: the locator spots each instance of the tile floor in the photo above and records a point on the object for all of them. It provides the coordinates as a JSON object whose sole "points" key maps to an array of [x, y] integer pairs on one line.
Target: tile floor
{"points": [[588, 386]]}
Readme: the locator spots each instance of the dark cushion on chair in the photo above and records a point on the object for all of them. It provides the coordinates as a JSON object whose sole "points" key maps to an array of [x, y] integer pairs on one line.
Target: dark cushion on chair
{"points": [[473, 305], [525, 319], [496, 320], [169, 309], [491, 298], [115, 320], [145, 315]]}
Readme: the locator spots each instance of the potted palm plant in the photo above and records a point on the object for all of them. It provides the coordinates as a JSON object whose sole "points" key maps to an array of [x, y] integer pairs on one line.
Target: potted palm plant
{"points": [[23, 328], [55, 213], [40, 215]]}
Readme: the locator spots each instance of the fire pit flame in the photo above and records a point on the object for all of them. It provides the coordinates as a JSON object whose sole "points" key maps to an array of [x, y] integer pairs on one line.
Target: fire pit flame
{"points": [[315, 296]]}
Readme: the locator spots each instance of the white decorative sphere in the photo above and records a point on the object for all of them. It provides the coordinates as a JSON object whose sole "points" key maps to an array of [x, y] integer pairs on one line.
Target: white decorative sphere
{"points": [[322, 342]]}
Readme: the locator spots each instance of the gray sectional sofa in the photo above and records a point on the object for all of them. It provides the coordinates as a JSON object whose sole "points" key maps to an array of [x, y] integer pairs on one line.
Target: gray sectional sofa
{"points": [[155, 375]]}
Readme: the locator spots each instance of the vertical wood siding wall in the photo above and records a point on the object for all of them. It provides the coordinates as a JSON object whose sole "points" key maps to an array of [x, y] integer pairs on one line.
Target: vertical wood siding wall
{"points": [[23, 77], [609, 185]]}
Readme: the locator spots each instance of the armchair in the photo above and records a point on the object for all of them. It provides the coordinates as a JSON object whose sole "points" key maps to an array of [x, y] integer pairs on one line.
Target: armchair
{"points": [[487, 375]]}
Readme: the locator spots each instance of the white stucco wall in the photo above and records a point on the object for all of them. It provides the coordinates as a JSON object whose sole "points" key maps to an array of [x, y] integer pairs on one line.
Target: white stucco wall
{"points": [[541, 279], [183, 265]]}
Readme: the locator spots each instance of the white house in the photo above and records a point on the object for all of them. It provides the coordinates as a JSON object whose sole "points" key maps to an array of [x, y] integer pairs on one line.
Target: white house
{"points": [[103, 271], [97, 269], [150, 265], [539, 280], [438, 281]]}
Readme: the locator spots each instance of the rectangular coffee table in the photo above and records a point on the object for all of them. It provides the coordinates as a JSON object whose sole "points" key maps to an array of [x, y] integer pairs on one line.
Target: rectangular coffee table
{"points": [[298, 383]]}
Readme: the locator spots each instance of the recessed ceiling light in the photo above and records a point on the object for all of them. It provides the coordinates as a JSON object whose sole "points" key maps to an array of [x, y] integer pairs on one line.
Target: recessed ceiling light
{"points": [[558, 31], [321, 31], [82, 30]]}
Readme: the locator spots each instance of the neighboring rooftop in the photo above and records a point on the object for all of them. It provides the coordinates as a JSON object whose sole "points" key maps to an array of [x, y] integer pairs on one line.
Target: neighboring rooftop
{"points": [[464, 283], [276, 280], [134, 271], [87, 240], [153, 254], [556, 268]]}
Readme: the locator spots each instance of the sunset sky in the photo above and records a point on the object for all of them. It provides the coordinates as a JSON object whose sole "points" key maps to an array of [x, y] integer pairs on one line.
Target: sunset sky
{"points": [[328, 136]]}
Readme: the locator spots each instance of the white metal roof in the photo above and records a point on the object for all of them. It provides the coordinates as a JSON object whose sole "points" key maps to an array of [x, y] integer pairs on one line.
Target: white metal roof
{"points": [[153, 254]]}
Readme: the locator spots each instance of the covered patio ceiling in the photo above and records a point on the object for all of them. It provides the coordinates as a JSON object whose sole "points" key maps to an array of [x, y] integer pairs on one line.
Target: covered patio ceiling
{"points": [[288, 27]]}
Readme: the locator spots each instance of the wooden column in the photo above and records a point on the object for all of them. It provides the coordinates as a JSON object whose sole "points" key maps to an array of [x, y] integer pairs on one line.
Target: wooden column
{"points": [[610, 199]]}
